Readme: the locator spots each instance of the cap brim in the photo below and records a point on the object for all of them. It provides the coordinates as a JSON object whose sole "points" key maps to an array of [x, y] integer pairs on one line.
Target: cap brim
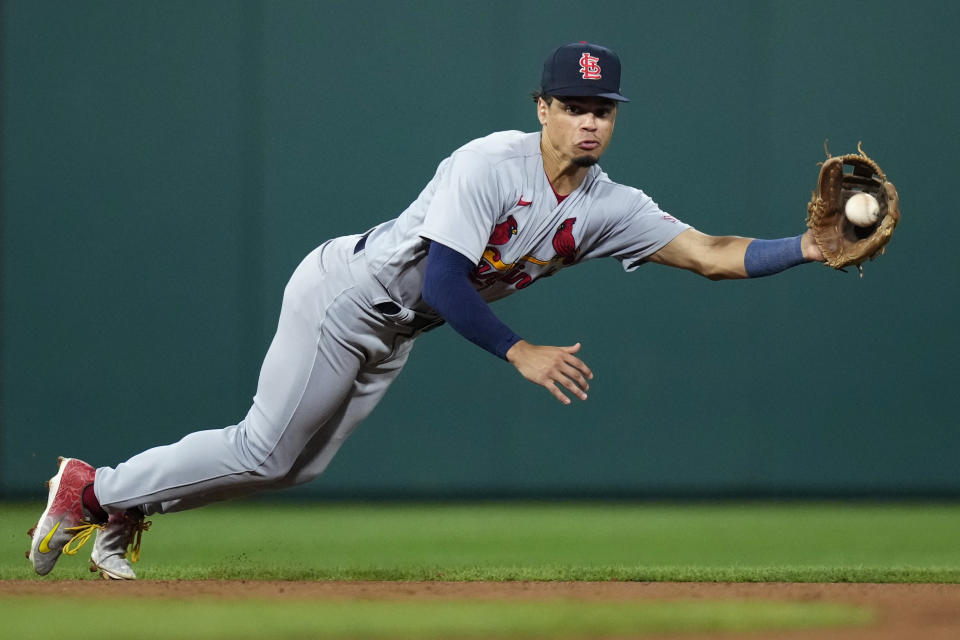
{"points": [[587, 92]]}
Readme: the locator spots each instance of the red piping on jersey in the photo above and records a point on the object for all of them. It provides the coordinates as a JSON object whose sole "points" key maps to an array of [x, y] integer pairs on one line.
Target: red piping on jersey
{"points": [[524, 203]]}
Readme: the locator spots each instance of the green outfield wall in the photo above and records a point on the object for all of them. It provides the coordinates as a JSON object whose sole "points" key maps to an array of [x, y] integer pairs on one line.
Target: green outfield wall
{"points": [[165, 165]]}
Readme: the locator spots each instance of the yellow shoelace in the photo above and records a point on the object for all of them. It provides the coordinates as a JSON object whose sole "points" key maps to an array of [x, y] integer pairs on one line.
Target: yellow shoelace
{"points": [[139, 528], [83, 532], [80, 537]]}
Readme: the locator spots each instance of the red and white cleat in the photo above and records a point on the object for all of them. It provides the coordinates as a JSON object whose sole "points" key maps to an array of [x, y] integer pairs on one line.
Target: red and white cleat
{"points": [[65, 525]]}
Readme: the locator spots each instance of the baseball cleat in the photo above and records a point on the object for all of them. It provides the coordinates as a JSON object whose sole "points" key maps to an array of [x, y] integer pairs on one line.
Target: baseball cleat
{"points": [[110, 556], [65, 525]]}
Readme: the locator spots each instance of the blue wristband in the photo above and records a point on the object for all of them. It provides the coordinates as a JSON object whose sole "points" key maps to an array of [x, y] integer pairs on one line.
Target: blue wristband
{"points": [[767, 257]]}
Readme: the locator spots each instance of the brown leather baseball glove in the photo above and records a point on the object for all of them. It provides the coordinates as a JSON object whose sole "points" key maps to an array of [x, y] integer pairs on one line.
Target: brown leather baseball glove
{"points": [[842, 242]]}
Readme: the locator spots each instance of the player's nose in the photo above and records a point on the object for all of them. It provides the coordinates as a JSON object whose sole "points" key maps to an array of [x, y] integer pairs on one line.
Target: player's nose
{"points": [[589, 122]]}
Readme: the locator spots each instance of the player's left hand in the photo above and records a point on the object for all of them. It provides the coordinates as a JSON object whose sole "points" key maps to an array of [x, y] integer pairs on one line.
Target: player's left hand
{"points": [[552, 368], [843, 240], [808, 245]]}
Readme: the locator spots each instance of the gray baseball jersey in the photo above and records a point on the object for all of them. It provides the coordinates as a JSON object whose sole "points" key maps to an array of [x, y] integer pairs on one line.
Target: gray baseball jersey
{"points": [[491, 201], [336, 351]]}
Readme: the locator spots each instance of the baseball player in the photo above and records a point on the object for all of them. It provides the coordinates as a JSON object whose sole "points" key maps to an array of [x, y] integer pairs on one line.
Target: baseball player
{"points": [[500, 213]]}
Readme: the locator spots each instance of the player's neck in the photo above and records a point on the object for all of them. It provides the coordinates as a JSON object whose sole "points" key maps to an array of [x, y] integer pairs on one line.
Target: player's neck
{"points": [[564, 176]]}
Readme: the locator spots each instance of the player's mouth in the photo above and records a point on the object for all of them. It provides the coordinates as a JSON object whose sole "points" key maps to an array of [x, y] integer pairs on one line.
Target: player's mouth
{"points": [[588, 145]]}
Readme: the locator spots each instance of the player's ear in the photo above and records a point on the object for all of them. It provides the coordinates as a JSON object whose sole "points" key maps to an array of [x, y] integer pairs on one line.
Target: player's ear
{"points": [[542, 108]]}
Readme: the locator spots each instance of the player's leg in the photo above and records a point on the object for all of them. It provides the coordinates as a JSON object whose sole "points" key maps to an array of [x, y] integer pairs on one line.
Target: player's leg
{"points": [[229, 447], [110, 555], [371, 384], [307, 374]]}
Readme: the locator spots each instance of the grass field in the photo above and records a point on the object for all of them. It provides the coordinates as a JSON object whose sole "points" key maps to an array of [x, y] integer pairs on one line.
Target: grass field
{"points": [[787, 542], [725, 542], [360, 619]]}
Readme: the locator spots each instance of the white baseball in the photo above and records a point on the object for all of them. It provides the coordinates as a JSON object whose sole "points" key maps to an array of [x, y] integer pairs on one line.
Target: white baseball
{"points": [[862, 209]]}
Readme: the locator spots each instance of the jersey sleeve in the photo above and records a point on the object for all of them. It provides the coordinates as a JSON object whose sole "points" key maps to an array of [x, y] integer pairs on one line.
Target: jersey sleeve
{"points": [[640, 233], [465, 205]]}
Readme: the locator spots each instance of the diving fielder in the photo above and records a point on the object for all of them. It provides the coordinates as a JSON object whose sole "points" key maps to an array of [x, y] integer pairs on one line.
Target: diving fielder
{"points": [[500, 213]]}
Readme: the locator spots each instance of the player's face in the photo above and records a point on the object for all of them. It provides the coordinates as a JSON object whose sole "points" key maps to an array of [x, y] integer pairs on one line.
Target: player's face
{"points": [[577, 130]]}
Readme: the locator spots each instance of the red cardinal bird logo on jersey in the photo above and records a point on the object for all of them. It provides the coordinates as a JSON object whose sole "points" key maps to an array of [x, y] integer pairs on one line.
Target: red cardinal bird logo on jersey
{"points": [[527, 269], [563, 242], [504, 231]]}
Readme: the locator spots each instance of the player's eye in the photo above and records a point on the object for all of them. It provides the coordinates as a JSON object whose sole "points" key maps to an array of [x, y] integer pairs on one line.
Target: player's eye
{"points": [[575, 110]]}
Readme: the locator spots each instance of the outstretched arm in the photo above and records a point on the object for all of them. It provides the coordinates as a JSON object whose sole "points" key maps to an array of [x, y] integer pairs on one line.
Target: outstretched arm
{"points": [[729, 257], [448, 290]]}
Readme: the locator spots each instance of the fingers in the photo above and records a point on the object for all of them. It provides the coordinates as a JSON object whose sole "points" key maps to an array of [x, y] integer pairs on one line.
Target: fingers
{"points": [[554, 368], [577, 389], [552, 388], [580, 366], [571, 374], [576, 376]]}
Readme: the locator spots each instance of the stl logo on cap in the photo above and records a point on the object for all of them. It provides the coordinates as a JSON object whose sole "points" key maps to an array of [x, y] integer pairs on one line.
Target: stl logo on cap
{"points": [[589, 69]]}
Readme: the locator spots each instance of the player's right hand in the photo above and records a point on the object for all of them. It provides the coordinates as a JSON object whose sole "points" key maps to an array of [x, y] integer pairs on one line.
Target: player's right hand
{"points": [[554, 368]]}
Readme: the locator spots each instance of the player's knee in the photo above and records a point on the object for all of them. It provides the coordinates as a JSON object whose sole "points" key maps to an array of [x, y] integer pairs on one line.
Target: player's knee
{"points": [[264, 461]]}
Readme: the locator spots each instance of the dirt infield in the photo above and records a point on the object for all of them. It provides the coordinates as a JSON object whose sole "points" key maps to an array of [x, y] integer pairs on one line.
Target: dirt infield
{"points": [[929, 611]]}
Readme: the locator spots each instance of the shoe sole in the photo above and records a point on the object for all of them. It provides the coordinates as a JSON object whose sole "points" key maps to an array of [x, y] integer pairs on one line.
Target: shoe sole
{"points": [[107, 575], [54, 485]]}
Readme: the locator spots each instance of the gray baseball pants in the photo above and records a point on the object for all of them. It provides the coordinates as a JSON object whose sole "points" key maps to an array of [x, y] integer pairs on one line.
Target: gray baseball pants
{"points": [[332, 359]]}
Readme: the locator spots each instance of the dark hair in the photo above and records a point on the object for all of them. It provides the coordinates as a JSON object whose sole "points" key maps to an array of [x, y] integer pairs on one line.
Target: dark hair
{"points": [[536, 94]]}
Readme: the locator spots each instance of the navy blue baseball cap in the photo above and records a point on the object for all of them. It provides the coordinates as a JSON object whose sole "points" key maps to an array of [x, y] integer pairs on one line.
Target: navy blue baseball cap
{"points": [[582, 69]]}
